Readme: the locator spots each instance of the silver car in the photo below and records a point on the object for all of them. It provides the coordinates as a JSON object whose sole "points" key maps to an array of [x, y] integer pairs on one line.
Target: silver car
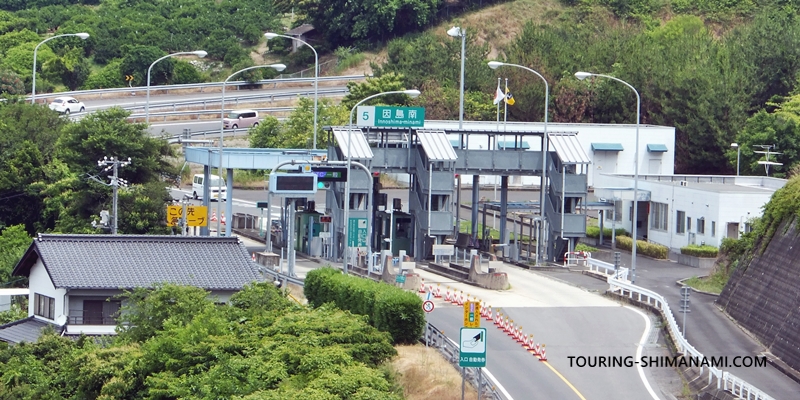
{"points": [[67, 105]]}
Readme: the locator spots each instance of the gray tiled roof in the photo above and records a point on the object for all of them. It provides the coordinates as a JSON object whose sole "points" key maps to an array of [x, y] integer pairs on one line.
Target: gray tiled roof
{"points": [[129, 261], [24, 330]]}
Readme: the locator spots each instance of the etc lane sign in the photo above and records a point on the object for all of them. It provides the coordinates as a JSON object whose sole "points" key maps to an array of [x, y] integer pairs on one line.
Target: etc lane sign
{"points": [[404, 117]]}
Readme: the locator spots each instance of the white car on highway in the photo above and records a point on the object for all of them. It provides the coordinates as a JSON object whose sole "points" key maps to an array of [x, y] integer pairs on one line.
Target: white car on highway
{"points": [[67, 105]]}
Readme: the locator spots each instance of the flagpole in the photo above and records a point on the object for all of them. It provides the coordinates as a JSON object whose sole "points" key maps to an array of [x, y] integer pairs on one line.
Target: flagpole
{"points": [[505, 110], [498, 107]]}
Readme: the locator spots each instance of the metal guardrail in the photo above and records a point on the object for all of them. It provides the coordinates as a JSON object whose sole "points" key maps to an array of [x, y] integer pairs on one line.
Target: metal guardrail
{"points": [[605, 268], [478, 377], [234, 101], [191, 86], [724, 380]]}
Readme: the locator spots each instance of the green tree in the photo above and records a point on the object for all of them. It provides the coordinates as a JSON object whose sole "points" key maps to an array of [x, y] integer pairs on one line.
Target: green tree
{"points": [[147, 311], [11, 83], [109, 76], [14, 240], [267, 135], [765, 128], [385, 83], [137, 61], [297, 130]]}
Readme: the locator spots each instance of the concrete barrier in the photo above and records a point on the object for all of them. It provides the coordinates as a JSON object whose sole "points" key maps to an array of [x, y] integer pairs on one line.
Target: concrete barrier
{"points": [[493, 280], [388, 275]]}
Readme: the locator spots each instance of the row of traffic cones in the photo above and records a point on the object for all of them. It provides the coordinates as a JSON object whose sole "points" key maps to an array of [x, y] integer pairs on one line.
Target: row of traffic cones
{"points": [[486, 312]]}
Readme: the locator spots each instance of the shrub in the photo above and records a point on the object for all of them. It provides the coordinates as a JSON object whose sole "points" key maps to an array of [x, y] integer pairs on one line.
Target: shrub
{"points": [[389, 309], [700, 251], [594, 232], [642, 247], [584, 247]]}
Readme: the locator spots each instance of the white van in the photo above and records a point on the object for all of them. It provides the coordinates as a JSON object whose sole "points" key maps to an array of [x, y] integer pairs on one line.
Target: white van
{"points": [[240, 119], [213, 188]]}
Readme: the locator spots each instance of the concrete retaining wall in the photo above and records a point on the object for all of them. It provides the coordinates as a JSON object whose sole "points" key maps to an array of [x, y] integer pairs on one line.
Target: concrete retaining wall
{"points": [[693, 261]]}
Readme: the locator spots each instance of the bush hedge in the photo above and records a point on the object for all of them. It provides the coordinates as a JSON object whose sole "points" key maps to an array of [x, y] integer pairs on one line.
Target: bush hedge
{"points": [[642, 247], [594, 232], [700, 251], [388, 308]]}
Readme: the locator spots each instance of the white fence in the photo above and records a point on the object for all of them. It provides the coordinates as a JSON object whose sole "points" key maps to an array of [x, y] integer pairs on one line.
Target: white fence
{"points": [[619, 283]]}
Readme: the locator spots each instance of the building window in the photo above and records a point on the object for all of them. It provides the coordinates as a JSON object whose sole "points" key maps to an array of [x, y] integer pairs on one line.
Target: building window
{"points": [[701, 226], [618, 210], [713, 228], [688, 224], [660, 216], [44, 306], [680, 222]]}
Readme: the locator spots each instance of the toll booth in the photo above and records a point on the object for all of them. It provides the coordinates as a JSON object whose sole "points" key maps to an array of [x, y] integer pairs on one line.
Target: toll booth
{"points": [[394, 229], [307, 230]]}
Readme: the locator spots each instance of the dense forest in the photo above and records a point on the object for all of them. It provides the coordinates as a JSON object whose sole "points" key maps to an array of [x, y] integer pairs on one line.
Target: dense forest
{"points": [[719, 72]]}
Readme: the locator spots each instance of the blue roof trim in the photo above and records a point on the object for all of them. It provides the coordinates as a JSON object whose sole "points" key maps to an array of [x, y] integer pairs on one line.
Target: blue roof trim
{"points": [[607, 147], [657, 148], [511, 145]]}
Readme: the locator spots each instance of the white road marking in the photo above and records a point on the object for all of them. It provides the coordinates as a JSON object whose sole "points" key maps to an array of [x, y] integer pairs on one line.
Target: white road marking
{"points": [[639, 348]]}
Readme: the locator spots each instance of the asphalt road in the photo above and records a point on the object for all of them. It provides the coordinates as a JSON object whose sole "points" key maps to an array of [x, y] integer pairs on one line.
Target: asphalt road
{"points": [[570, 322], [707, 328]]}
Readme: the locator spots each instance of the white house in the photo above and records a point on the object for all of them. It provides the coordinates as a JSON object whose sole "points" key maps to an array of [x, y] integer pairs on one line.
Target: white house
{"points": [[678, 210], [74, 279]]}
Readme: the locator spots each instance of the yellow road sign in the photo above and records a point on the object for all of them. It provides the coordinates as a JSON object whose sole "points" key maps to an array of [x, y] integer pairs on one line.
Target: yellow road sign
{"points": [[195, 215], [472, 314]]}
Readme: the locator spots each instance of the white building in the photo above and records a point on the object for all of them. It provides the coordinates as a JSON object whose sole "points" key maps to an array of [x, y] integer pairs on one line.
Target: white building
{"points": [[678, 210]]}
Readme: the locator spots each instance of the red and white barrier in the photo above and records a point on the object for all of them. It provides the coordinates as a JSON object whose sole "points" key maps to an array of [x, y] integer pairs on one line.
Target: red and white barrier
{"points": [[213, 216], [422, 286], [222, 219], [489, 314], [447, 296], [437, 292], [542, 354]]}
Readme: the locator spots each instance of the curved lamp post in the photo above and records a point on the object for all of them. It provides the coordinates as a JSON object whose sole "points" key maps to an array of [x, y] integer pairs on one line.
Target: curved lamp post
{"points": [[738, 155], [412, 93], [584, 75], [277, 67], [545, 145], [82, 35], [199, 53], [271, 35], [462, 33]]}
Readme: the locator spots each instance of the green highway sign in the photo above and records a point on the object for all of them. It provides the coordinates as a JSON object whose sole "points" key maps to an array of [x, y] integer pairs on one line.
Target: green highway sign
{"points": [[357, 232], [403, 117], [472, 348]]}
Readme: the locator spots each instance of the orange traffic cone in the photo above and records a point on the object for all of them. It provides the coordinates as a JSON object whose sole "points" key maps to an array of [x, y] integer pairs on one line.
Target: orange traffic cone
{"points": [[223, 219], [213, 216]]}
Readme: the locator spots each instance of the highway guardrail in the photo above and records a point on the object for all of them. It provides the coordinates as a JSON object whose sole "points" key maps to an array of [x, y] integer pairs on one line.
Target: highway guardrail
{"points": [[724, 380]]}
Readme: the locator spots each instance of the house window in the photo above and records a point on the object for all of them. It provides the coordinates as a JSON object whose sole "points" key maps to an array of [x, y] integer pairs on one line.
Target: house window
{"points": [[680, 222], [660, 216], [713, 228], [688, 224], [701, 226], [44, 306]]}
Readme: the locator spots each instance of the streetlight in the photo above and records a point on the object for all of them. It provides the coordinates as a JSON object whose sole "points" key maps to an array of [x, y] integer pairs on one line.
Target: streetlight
{"points": [[495, 65], [199, 53], [277, 67], [270, 35], [462, 33], [738, 154], [413, 94], [583, 75], [82, 35]]}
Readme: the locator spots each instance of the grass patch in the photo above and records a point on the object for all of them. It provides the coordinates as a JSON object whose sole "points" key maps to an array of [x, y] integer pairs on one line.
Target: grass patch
{"points": [[713, 283], [424, 374], [347, 59]]}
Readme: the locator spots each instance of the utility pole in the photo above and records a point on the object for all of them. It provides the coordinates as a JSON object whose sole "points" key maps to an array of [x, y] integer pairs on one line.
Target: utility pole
{"points": [[113, 164]]}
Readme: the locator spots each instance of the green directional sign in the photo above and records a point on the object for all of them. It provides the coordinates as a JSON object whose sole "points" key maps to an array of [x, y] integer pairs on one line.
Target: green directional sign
{"points": [[357, 232], [472, 348], [402, 117]]}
